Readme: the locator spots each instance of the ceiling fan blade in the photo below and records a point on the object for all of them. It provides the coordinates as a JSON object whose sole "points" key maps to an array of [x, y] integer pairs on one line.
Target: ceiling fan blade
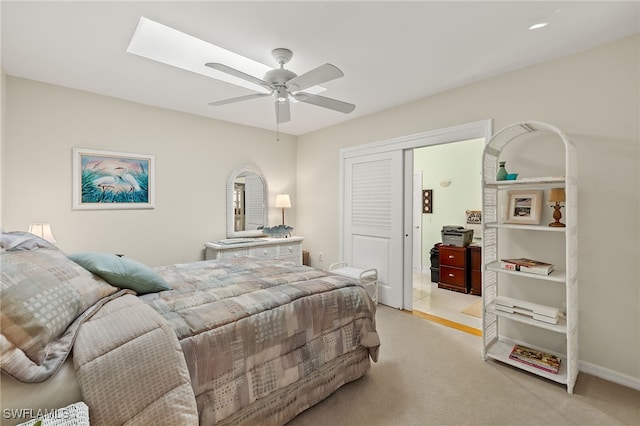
{"points": [[324, 102], [283, 112], [238, 99], [237, 73], [322, 74]]}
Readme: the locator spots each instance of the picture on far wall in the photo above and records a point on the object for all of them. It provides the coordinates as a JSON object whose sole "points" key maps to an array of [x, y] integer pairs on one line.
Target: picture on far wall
{"points": [[105, 180], [427, 201]]}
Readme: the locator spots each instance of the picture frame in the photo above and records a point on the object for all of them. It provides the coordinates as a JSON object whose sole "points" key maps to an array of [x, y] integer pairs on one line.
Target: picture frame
{"points": [[524, 207], [105, 180], [427, 201]]}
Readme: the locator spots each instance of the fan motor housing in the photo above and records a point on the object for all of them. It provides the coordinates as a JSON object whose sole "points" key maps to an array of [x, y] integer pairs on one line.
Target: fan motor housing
{"points": [[279, 76]]}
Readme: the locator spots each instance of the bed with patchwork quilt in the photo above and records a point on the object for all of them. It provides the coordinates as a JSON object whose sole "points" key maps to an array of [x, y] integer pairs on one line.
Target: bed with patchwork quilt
{"points": [[237, 341]]}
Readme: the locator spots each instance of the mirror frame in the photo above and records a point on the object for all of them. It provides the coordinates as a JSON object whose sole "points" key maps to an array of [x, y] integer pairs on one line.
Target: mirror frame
{"points": [[239, 171]]}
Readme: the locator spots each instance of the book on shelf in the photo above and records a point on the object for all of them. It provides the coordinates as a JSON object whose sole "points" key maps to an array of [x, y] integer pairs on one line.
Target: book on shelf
{"points": [[536, 358], [523, 264], [535, 311]]}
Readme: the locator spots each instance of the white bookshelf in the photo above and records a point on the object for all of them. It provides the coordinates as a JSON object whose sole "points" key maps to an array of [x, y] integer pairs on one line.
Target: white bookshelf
{"points": [[495, 280]]}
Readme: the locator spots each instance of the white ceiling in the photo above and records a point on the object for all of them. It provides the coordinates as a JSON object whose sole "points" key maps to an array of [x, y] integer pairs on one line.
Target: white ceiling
{"points": [[391, 52]]}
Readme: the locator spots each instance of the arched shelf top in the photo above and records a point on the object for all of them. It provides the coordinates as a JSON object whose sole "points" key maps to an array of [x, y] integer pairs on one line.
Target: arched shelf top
{"points": [[524, 128], [505, 135]]}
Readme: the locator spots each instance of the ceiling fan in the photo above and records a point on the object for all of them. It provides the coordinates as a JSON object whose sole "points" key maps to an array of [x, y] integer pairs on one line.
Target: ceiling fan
{"points": [[284, 85]]}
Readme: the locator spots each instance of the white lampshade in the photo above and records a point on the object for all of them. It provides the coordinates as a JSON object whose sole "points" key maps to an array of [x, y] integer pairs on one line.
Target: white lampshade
{"points": [[283, 201], [42, 230]]}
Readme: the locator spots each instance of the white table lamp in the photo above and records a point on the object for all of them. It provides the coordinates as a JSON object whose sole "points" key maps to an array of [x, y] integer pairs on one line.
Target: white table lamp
{"points": [[42, 230], [284, 202]]}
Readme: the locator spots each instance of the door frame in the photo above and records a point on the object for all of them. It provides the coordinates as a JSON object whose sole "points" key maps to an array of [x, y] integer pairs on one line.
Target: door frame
{"points": [[416, 220], [472, 130]]}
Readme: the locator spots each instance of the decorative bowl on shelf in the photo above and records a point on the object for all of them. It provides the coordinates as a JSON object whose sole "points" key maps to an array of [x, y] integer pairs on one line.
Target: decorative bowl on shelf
{"points": [[278, 231], [511, 176]]}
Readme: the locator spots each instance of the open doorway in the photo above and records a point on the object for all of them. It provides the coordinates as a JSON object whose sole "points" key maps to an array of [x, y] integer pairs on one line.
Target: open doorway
{"points": [[391, 162], [447, 182]]}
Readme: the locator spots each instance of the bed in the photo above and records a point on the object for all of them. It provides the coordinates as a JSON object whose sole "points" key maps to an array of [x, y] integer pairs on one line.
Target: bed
{"points": [[238, 341]]}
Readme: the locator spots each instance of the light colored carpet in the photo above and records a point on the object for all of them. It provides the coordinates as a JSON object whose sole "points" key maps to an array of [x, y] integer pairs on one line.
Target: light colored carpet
{"points": [[474, 309], [429, 374]]}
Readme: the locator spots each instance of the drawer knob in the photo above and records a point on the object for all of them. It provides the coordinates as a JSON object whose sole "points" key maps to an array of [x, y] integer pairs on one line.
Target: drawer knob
{"points": [[265, 252], [451, 256], [451, 275]]}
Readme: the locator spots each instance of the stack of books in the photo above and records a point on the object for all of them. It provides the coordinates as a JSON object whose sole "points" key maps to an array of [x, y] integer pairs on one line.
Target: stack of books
{"points": [[536, 358], [542, 313], [523, 264]]}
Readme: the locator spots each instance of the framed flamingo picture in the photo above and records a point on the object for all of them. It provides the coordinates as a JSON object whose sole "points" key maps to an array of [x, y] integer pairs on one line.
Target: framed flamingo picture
{"points": [[104, 180]]}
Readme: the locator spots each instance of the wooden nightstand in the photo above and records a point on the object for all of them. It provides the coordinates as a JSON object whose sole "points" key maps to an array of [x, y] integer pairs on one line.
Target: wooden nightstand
{"points": [[454, 264]]}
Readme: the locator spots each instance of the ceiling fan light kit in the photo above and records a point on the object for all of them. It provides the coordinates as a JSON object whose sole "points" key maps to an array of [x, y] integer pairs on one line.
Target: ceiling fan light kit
{"points": [[286, 85]]}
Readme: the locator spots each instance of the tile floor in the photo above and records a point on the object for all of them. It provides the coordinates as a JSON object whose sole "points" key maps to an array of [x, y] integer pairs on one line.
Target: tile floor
{"points": [[447, 304]]}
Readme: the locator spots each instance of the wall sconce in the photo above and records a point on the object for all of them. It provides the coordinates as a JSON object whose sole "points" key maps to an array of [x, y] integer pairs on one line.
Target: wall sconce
{"points": [[557, 196], [42, 230], [444, 182], [284, 202]]}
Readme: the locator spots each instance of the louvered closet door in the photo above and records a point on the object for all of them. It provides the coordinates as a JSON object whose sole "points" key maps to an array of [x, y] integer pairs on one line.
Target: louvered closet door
{"points": [[373, 220]]}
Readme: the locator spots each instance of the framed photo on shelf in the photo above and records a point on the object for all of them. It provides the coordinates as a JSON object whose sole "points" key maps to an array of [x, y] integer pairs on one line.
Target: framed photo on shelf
{"points": [[524, 207]]}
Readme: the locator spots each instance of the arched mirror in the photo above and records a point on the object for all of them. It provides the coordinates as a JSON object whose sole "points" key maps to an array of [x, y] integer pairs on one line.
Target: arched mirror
{"points": [[247, 207]]}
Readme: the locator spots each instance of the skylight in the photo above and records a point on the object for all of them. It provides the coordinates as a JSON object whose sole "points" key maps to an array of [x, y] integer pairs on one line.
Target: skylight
{"points": [[158, 42]]}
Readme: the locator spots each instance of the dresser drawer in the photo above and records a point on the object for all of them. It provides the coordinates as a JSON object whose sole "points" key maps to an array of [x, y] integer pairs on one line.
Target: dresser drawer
{"points": [[453, 276], [265, 252], [453, 256], [228, 254], [289, 250]]}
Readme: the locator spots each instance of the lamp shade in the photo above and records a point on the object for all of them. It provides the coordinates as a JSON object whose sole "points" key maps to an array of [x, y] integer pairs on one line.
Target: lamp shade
{"points": [[556, 195], [42, 230], [283, 201]]}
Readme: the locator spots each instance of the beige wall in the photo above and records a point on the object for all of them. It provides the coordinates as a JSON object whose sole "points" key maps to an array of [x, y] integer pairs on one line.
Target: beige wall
{"points": [[594, 98], [3, 89], [194, 156]]}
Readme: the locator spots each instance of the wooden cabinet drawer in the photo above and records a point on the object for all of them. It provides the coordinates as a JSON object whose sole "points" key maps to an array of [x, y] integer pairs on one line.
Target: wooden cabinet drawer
{"points": [[453, 276], [453, 256]]}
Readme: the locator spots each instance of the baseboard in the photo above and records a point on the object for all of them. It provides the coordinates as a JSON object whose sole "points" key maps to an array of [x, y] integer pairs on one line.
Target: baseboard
{"points": [[609, 375]]}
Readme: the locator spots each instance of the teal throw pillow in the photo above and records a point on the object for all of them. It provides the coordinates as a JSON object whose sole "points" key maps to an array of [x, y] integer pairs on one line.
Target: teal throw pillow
{"points": [[122, 272]]}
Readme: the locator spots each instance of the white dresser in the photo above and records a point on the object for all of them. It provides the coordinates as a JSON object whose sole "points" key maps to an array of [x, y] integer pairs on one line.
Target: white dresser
{"points": [[265, 248]]}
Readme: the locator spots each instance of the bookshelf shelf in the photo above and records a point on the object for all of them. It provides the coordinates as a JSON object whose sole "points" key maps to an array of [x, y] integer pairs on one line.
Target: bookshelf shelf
{"points": [[557, 276], [500, 238], [500, 350], [560, 327], [541, 228]]}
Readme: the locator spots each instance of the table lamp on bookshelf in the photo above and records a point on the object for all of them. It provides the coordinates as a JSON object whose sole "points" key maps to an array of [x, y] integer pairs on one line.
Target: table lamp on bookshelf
{"points": [[556, 197]]}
